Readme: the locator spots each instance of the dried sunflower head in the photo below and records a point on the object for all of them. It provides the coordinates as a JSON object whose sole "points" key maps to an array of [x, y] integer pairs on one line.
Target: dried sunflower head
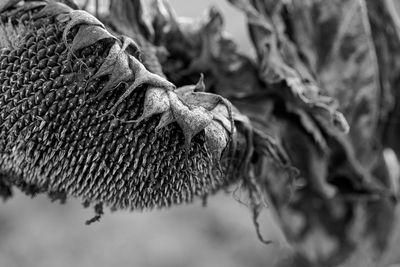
{"points": [[81, 115]]}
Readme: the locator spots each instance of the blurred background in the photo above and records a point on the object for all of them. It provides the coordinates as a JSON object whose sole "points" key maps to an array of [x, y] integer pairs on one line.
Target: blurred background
{"points": [[36, 232]]}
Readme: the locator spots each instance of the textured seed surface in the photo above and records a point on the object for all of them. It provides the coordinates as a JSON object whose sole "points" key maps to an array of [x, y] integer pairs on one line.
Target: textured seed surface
{"points": [[57, 137]]}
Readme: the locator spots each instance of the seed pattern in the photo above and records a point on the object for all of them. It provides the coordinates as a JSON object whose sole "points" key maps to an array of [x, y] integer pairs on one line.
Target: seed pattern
{"points": [[56, 135]]}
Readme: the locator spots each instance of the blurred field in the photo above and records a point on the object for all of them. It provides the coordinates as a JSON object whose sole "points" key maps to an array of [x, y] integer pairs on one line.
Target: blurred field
{"points": [[36, 232]]}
